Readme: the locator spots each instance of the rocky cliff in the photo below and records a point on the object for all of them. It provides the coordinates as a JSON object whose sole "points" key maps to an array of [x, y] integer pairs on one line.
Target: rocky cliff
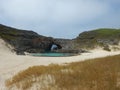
{"points": [[25, 41], [31, 42], [98, 38]]}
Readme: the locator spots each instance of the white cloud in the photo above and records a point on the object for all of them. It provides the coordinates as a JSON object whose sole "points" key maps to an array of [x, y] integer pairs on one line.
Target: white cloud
{"points": [[54, 17], [71, 11], [62, 11], [26, 9]]}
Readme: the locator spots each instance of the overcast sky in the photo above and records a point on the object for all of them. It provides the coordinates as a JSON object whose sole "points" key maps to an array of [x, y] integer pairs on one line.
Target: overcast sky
{"points": [[60, 18]]}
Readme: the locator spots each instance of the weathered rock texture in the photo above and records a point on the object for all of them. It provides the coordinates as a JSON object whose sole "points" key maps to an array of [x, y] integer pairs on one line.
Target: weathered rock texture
{"points": [[101, 37], [25, 41], [31, 42]]}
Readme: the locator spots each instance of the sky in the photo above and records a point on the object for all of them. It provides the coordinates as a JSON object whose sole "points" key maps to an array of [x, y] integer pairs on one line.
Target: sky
{"points": [[60, 18]]}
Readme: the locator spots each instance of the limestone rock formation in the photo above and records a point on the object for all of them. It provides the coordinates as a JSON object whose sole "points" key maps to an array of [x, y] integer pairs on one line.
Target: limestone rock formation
{"points": [[31, 42]]}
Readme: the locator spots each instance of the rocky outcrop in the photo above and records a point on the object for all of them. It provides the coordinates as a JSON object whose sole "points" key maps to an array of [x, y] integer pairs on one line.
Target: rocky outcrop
{"points": [[66, 44], [41, 44], [31, 42], [100, 37], [25, 41]]}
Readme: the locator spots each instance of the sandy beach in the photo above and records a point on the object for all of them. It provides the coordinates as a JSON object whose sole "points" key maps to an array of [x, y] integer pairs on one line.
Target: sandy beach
{"points": [[10, 63]]}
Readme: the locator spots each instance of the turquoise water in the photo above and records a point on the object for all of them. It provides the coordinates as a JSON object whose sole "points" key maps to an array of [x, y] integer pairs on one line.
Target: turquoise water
{"points": [[50, 54]]}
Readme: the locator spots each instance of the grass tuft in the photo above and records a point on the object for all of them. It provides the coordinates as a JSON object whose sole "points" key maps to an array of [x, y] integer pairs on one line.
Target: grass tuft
{"points": [[95, 74]]}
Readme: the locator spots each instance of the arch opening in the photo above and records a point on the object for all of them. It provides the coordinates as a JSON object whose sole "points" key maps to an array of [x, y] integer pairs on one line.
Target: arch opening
{"points": [[54, 47]]}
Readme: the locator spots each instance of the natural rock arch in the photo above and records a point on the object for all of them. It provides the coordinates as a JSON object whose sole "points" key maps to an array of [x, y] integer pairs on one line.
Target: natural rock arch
{"points": [[55, 46]]}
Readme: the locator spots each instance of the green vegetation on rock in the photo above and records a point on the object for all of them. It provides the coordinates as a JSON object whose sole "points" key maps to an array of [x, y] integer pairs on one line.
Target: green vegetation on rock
{"points": [[104, 33], [29, 41], [100, 37]]}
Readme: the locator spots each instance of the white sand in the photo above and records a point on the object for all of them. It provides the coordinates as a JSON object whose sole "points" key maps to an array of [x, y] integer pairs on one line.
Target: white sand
{"points": [[10, 64]]}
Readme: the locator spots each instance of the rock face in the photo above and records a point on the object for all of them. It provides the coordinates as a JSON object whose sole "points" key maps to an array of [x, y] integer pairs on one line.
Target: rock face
{"points": [[100, 37], [25, 41], [66, 44], [31, 42], [41, 44]]}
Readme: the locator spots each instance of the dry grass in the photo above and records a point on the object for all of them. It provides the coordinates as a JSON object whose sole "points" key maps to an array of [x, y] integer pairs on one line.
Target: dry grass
{"points": [[97, 74]]}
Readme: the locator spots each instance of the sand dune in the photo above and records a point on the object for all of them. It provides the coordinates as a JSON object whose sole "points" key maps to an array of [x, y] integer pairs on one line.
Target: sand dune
{"points": [[10, 63]]}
